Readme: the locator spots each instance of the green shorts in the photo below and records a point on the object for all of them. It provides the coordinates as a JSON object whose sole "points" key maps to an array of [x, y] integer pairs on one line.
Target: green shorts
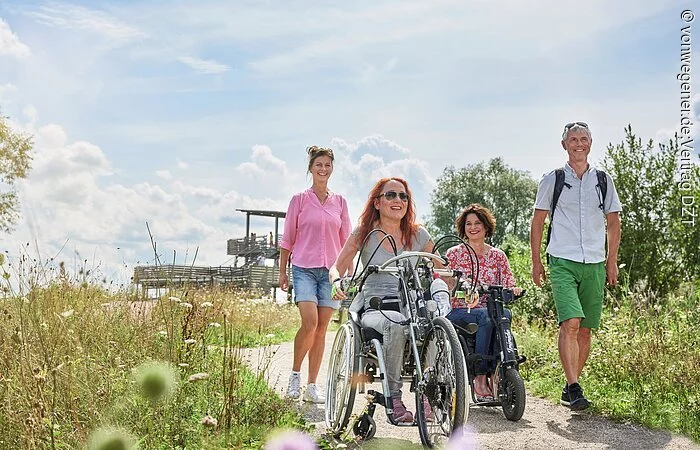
{"points": [[578, 290]]}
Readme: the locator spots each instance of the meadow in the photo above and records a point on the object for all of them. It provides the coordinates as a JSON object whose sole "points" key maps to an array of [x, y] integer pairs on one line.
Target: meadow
{"points": [[81, 366], [644, 358]]}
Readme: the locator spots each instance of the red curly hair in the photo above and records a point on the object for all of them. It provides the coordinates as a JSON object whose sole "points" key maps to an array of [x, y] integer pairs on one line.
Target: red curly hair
{"points": [[370, 215]]}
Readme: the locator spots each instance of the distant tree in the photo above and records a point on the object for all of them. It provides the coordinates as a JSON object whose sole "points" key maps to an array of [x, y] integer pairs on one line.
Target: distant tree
{"points": [[660, 245], [508, 192], [15, 162]]}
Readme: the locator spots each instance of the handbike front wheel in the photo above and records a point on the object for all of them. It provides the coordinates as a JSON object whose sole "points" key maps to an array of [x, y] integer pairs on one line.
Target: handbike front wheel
{"points": [[513, 400], [441, 401], [341, 382]]}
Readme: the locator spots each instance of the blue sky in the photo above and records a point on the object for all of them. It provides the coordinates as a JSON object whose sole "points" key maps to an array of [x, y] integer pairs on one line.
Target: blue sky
{"points": [[177, 113]]}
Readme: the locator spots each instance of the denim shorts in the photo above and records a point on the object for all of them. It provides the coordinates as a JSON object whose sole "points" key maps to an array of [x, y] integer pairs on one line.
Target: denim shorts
{"points": [[312, 285]]}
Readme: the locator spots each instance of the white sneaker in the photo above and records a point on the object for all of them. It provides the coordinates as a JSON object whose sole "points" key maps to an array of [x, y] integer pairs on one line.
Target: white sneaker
{"points": [[312, 395], [294, 386]]}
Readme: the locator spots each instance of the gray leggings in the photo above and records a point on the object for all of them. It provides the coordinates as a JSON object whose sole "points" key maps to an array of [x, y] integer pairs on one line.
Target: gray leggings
{"points": [[394, 341]]}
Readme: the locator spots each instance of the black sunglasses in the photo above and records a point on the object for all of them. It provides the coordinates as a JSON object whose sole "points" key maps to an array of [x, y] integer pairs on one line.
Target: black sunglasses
{"points": [[570, 125], [390, 195]]}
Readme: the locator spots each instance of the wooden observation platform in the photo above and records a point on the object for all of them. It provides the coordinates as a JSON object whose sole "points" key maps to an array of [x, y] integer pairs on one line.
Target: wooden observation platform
{"points": [[252, 252]]}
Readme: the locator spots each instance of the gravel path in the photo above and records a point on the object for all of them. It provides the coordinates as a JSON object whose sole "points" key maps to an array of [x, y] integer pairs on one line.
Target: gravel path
{"points": [[544, 425]]}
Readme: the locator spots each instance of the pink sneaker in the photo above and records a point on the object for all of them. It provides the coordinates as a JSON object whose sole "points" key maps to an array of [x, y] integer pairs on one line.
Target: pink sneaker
{"points": [[401, 414]]}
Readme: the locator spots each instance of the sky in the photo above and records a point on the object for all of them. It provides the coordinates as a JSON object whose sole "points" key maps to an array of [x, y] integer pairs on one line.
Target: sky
{"points": [[175, 114]]}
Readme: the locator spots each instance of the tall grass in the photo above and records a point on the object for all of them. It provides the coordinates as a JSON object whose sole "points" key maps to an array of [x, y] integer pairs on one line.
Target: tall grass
{"points": [[644, 358], [70, 352]]}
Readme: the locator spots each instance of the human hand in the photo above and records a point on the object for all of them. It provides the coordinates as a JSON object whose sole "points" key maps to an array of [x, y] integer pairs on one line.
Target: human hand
{"points": [[517, 291], [473, 300], [337, 292], [283, 280], [538, 273], [611, 272]]}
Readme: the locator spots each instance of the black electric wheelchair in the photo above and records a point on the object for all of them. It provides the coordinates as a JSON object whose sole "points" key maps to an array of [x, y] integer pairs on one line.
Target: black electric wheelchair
{"points": [[433, 357], [507, 384]]}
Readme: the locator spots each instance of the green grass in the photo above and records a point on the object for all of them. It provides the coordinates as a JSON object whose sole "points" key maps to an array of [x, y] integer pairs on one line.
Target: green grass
{"points": [[642, 367], [69, 352]]}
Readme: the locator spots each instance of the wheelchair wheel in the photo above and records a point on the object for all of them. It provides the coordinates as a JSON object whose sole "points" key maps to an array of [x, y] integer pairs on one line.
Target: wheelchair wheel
{"points": [[441, 402], [513, 400], [341, 382]]}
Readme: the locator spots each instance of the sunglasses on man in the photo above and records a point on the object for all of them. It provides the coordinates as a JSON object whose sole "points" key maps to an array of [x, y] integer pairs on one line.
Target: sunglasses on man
{"points": [[390, 195], [568, 126]]}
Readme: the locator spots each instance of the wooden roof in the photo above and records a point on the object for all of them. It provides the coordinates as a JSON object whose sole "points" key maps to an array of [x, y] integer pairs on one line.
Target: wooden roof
{"points": [[264, 213]]}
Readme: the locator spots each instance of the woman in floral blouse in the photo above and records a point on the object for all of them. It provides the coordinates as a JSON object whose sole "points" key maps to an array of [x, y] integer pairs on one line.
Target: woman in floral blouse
{"points": [[475, 224]]}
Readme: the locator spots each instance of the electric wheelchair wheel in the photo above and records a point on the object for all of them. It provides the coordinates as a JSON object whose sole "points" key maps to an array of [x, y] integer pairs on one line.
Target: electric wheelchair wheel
{"points": [[444, 385], [341, 382], [513, 400]]}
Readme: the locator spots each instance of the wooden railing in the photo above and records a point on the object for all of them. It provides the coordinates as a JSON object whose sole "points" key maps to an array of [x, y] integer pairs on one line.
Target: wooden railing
{"points": [[251, 276]]}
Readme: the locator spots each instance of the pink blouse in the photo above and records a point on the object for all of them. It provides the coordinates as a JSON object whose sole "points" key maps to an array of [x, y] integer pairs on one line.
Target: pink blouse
{"points": [[493, 269], [314, 232]]}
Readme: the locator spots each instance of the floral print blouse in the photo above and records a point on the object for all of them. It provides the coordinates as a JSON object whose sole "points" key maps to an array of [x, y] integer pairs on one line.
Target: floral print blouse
{"points": [[493, 269]]}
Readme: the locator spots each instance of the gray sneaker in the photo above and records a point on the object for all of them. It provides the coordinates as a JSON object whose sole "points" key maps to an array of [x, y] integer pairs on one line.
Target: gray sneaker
{"points": [[294, 386], [312, 394]]}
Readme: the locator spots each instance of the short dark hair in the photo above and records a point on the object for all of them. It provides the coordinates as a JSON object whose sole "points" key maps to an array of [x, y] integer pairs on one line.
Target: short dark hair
{"points": [[484, 215], [314, 152]]}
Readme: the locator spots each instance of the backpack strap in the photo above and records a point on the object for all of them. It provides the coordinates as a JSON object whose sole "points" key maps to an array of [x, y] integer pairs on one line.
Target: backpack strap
{"points": [[603, 186], [558, 187]]}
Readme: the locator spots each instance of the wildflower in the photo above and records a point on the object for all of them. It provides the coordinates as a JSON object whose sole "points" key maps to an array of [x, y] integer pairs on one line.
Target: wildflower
{"points": [[270, 335], [190, 341], [67, 314], [111, 438], [209, 421], [163, 333], [215, 325], [206, 304], [290, 440], [462, 438], [183, 365], [156, 379], [198, 377], [186, 305], [174, 299]]}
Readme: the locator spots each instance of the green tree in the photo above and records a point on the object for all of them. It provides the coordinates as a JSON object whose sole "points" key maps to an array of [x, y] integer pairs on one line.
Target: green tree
{"points": [[508, 192], [660, 248], [15, 162]]}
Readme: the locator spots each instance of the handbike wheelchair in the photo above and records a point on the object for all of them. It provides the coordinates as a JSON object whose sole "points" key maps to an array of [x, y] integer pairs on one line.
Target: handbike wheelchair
{"points": [[508, 386], [433, 358]]}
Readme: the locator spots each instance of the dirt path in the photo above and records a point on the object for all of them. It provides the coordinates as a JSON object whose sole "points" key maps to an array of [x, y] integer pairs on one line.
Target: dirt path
{"points": [[544, 426]]}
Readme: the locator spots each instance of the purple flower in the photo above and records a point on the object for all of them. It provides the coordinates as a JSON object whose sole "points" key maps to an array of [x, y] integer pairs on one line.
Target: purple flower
{"points": [[290, 440]]}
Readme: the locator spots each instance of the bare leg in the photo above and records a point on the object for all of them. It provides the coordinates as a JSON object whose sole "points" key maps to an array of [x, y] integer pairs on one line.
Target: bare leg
{"points": [[304, 337], [584, 348], [569, 349], [319, 342]]}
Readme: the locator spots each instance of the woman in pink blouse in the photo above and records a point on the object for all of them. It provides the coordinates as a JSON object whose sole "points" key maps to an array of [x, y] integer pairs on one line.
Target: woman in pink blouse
{"points": [[316, 226], [475, 224]]}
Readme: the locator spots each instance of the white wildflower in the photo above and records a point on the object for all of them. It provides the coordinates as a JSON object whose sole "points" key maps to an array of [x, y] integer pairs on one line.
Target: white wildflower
{"points": [[209, 421], [174, 299], [215, 325], [206, 304], [186, 305], [190, 341], [198, 377], [67, 314], [183, 365]]}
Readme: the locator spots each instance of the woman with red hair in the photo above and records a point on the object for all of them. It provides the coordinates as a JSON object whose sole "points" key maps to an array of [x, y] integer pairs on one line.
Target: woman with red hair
{"points": [[390, 209]]}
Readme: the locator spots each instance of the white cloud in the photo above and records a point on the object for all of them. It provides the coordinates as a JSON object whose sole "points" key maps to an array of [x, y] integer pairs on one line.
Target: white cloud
{"points": [[206, 66], [10, 44], [164, 174], [63, 15], [182, 165]]}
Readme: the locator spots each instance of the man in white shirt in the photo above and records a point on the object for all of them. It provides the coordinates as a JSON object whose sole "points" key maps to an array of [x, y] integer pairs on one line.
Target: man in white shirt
{"points": [[586, 211]]}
